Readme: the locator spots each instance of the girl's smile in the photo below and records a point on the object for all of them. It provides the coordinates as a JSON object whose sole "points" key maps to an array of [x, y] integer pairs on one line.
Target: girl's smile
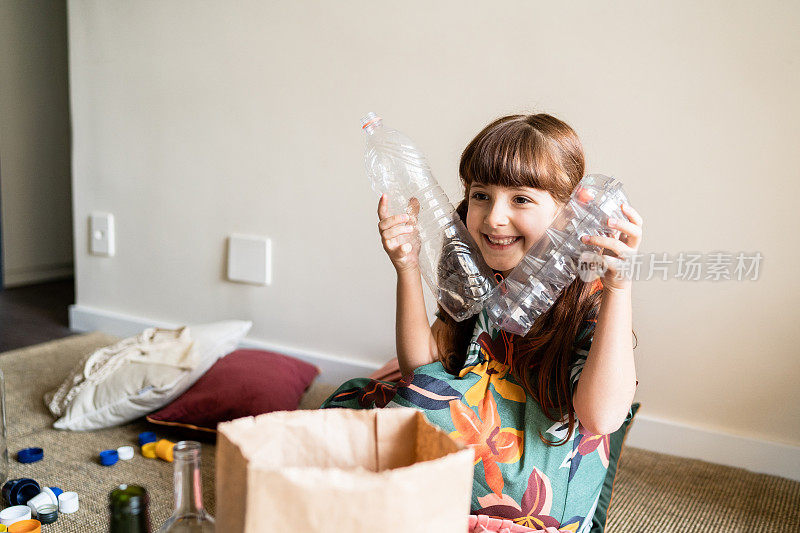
{"points": [[500, 242], [506, 221]]}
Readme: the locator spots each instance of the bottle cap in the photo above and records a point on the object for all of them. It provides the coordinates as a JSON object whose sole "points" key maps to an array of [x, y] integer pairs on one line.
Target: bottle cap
{"points": [[56, 491], [39, 501], [26, 526], [164, 449], [51, 494], [68, 502], [149, 450], [109, 457], [30, 455], [7, 486], [125, 452], [19, 491], [370, 118], [147, 436], [47, 514], [15, 513]]}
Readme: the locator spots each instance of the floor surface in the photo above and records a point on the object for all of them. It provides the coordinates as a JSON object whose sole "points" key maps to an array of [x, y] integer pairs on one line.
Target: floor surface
{"points": [[35, 313]]}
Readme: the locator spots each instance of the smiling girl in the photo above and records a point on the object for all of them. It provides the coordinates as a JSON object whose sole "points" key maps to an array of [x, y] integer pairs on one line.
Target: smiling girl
{"points": [[537, 410]]}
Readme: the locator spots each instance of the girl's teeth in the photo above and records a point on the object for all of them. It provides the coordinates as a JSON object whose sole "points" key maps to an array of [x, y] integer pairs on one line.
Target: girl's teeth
{"points": [[502, 241]]}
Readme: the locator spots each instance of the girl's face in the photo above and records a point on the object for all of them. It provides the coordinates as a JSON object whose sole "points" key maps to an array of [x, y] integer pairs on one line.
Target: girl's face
{"points": [[507, 221]]}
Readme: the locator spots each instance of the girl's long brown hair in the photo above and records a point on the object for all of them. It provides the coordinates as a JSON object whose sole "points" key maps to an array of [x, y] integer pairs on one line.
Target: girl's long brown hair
{"points": [[543, 152]]}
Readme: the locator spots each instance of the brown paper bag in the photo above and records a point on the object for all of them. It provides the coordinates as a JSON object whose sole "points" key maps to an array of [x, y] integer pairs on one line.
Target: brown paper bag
{"points": [[348, 470]]}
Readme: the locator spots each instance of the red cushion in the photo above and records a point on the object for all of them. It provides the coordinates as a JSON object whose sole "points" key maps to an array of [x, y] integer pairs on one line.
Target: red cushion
{"points": [[243, 383]]}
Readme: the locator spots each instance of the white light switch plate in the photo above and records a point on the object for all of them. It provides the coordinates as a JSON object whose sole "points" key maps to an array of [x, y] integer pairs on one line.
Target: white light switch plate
{"points": [[101, 234], [249, 259]]}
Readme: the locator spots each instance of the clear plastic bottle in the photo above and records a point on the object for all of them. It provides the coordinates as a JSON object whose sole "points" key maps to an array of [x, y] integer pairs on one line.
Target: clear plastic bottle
{"points": [[189, 516], [449, 260], [552, 262]]}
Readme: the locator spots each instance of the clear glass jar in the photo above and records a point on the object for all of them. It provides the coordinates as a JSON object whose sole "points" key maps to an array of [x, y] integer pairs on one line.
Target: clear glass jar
{"points": [[189, 516]]}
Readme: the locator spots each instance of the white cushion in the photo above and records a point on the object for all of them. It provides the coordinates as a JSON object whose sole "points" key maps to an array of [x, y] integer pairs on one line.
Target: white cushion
{"points": [[138, 375]]}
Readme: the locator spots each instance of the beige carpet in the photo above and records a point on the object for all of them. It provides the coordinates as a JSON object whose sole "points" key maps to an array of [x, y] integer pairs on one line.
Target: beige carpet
{"points": [[654, 492], [70, 460], [667, 494]]}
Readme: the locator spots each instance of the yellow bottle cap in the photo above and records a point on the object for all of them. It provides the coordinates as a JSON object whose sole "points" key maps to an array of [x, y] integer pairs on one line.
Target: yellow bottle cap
{"points": [[164, 449], [149, 450]]}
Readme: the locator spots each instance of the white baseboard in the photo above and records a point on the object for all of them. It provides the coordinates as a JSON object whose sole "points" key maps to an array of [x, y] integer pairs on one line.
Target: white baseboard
{"points": [[647, 432], [672, 438], [333, 369]]}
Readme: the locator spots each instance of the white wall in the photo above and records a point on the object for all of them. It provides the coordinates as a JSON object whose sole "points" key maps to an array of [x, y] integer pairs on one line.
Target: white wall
{"points": [[194, 120], [34, 142]]}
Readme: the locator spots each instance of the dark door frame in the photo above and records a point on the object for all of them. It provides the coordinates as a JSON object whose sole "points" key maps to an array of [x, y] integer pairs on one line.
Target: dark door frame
{"points": [[2, 283]]}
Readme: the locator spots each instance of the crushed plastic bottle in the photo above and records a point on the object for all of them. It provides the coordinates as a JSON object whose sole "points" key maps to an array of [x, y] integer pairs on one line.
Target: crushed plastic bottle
{"points": [[552, 263], [449, 260]]}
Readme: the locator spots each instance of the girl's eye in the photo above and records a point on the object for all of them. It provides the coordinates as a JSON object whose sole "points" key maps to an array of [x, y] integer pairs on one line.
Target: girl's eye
{"points": [[522, 200], [478, 196]]}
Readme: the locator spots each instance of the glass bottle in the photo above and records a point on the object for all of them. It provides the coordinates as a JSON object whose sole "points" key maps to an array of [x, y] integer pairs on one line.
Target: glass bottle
{"points": [[129, 510], [189, 516]]}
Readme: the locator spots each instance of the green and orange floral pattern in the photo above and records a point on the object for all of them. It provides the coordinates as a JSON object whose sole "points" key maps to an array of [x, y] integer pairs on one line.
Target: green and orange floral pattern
{"points": [[517, 477], [483, 433]]}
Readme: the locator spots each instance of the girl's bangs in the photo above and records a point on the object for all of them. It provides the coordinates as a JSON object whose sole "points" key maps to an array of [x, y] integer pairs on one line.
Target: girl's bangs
{"points": [[513, 154]]}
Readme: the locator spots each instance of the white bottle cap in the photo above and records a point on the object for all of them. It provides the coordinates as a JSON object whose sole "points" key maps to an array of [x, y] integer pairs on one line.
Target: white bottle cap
{"points": [[15, 513], [125, 452], [68, 502], [37, 501], [53, 497]]}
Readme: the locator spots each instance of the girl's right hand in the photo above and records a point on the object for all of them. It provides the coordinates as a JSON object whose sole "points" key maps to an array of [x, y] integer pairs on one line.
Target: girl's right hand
{"points": [[399, 234]]}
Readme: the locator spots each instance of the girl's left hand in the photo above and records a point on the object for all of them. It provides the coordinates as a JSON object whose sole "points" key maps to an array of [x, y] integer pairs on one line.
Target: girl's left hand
{"points": [[624, 248]]}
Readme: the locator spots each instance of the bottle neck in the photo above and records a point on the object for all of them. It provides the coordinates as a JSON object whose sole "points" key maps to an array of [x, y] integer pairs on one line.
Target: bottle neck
{"points": [[188, 485], [129, 510]]}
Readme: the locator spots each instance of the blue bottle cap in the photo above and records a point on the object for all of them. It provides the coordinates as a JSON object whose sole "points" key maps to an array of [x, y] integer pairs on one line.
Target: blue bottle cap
{"points": [[147, 436], [7, 486], [108, 457], [56, 491], [30, 455], [19, 491]]}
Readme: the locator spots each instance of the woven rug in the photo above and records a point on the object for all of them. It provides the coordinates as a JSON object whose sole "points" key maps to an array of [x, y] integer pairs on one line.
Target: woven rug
{"points": [[71, 458], [653, 493]]}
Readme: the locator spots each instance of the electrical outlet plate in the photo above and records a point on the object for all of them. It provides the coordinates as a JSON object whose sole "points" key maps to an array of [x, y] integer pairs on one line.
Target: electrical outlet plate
{"points": [[250, 259], [101, 234]]}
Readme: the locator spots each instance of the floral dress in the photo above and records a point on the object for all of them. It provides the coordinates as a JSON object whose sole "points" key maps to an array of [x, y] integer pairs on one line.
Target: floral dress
{"points": [[517, 476]]}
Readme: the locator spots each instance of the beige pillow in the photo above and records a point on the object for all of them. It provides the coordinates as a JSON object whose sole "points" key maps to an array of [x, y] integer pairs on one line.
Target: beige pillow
{"points": [[140, 374]]}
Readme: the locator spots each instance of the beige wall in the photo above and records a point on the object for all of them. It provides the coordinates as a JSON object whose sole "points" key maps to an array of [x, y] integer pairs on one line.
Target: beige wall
{"points": [[195, 120], [34, 141]]}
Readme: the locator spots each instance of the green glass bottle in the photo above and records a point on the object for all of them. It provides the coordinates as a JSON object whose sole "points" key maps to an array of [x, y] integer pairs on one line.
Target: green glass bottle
{"points": [[129, 510]]}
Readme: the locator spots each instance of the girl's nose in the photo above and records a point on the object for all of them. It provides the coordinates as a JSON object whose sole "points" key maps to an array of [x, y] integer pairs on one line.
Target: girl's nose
{"points": [[497, 215]]}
